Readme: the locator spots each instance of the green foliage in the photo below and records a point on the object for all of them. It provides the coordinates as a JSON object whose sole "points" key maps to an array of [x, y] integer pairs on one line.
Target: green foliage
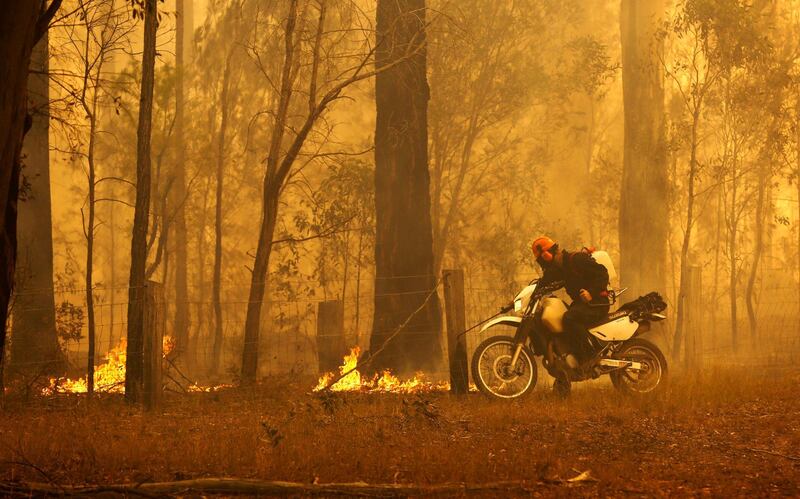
{"points": [[341, 210], [727, 29], [592, 67], [69, 323]]}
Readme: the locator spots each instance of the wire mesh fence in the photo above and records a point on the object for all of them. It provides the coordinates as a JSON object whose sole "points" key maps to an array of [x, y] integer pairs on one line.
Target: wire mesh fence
{"points": [[290, 329]]}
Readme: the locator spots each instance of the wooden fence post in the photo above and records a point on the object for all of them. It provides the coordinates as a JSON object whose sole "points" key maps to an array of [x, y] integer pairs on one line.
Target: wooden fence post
{"points": [[456, 324], [694, 314], [154, 326], [331, 342]]}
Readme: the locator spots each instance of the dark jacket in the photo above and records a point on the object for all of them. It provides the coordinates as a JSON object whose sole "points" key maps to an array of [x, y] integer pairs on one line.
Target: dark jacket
{"points": [[579, 271]]}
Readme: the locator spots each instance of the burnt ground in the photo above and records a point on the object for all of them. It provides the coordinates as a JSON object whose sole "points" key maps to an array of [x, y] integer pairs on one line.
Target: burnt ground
{"points": [[730, 432]]}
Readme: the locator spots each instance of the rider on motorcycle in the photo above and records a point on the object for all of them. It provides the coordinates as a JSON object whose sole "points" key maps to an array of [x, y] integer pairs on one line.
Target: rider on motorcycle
{"points": [[585, 281]]}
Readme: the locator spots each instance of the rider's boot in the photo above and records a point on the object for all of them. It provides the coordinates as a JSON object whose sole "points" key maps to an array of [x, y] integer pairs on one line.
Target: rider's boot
{"points": [[571, 361]]}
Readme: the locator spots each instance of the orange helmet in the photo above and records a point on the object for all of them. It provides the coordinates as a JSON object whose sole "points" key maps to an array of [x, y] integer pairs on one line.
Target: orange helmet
{"points": [[543, 247]]}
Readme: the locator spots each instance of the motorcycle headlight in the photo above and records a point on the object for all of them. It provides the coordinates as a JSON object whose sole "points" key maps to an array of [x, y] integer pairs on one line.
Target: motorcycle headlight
{"points": [[517, 305]]}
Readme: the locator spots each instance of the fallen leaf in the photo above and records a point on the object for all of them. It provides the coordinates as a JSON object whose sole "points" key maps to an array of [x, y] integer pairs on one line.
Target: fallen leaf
{"points": [[585, 476]]}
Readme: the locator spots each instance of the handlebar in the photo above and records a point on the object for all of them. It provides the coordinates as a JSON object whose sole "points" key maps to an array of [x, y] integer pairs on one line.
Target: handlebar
{"points": [[549, 287], [556, 285], [612, 299]]}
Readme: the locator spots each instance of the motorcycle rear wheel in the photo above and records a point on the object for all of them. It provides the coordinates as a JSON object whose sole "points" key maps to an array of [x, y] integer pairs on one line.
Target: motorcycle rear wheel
{"points": [[646, 352], [492, 371]]}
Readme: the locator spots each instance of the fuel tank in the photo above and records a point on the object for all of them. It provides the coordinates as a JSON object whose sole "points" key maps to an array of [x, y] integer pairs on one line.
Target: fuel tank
{"points": [[553, 310]]}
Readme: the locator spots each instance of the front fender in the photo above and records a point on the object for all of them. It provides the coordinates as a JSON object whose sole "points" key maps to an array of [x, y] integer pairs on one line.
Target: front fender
{"points": [[505, 320]]}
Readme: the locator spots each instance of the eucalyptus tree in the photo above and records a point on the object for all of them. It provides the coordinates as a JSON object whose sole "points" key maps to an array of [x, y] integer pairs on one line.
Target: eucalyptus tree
{"points": [[100, 30], [708, 40], [643, 208], [326, 48], [134, 367], [35, 349], [23, 24]]}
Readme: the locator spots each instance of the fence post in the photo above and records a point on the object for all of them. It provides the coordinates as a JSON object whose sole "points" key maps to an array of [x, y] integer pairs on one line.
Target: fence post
{"points": [[154, 326], [456, 324], [331, 343], [694, 313]]}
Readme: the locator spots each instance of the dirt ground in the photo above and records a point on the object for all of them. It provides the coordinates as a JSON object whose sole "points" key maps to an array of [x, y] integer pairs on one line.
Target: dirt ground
{"points": [[726, 433]]}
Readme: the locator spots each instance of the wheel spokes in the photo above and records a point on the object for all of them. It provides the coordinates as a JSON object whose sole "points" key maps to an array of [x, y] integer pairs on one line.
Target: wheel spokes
{"points": [[648, 378], [497, 374]]}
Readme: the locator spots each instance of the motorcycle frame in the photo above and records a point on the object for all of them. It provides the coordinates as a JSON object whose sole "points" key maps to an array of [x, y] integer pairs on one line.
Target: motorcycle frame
{"points": [[524, 338]]}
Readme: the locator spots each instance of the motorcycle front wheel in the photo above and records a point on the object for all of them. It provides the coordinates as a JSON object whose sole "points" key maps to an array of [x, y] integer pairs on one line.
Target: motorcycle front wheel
{"points": [[650, 378], [493, 373]]}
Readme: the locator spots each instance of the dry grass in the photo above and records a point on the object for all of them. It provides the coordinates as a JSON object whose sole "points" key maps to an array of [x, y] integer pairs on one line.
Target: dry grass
{"points": [[727, 433]]}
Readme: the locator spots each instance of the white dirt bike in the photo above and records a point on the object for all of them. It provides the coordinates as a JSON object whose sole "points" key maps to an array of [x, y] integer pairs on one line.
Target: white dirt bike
{"points": [[504, 366]]}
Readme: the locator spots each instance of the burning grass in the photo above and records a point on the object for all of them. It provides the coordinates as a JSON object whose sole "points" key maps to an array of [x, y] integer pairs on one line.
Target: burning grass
{"points": [[353, 381], [727, 433], [109, 375]]}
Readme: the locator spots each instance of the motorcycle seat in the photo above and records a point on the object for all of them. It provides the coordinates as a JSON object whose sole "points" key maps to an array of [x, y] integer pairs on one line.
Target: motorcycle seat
{"points": [[612, 316]]}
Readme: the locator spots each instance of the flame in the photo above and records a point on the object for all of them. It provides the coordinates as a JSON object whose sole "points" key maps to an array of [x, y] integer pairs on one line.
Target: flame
{"points": [[348, 383], [386, 382], [195, 388], [167, 345], [109, 377]]}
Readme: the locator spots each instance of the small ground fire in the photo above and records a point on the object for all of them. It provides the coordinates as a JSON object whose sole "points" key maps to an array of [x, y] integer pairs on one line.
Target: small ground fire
{"points": [[386, 382]]}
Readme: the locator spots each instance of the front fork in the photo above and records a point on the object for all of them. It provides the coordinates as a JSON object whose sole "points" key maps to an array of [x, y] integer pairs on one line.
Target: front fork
{"points": [[515, 357], [523, 331], [519, 341]]}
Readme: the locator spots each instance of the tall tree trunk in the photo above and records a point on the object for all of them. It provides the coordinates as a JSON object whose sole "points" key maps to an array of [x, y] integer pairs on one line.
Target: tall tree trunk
{"points": [[683, 286], [223, 127], [758, 248], [269, 209], [134, 373], [277, 171], [643, 216], [89, 233], [797, 190], [732, 249], [34, 349], [441, 233], [258, 285], [21, 26], [717, 253], [94, 77], [358, 284], [201, 277], [343, 296], [404, 262], [184, 23], [112, 271]]}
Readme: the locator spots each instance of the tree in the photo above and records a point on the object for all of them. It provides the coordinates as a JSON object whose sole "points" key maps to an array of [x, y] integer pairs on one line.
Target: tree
{"points": [[34, 346], [738, 136], [184, 23], [344, 203], [404, 263], [643, 208], [224, 105], [711, 40], [100, 31], [478, 56], [479, 143], [134, 373], [325, 79], [22, 25]]}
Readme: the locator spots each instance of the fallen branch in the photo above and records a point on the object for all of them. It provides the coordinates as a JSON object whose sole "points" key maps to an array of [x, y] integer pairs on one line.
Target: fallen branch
{"points": [[255, 487], [773, 453], [374, 354]]}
